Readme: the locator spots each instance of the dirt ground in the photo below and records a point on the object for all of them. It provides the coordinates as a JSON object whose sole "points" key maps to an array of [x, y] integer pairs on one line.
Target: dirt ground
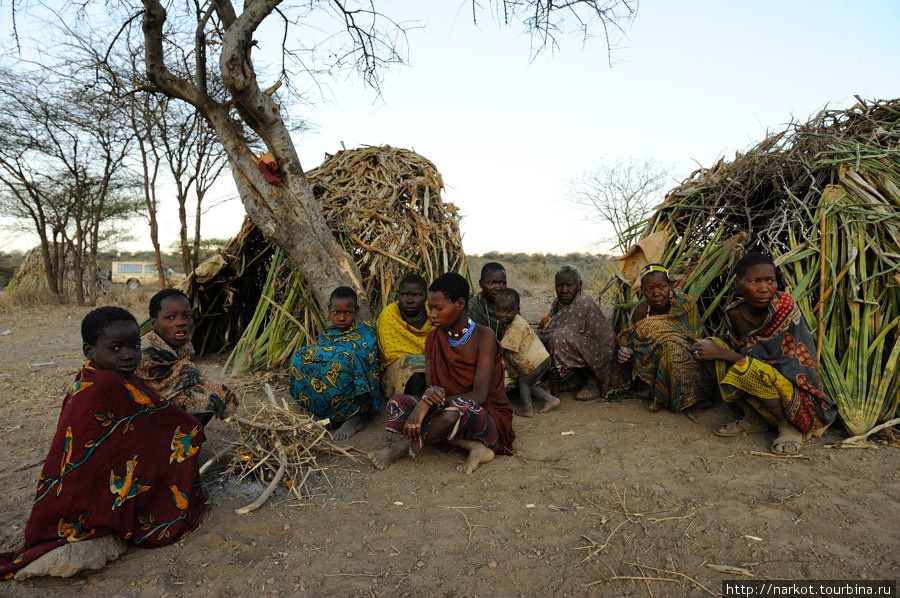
{"points": [[598, 496]]}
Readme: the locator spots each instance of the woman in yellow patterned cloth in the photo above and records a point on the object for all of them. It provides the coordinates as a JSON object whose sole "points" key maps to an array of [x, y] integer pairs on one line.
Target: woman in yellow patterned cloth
{"points": [[402, 328]]}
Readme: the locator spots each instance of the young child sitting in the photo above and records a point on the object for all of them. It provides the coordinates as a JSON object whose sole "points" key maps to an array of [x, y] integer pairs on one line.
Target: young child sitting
{"points": [[167, 360], [524, 355], [338, 376], [113, 429]]}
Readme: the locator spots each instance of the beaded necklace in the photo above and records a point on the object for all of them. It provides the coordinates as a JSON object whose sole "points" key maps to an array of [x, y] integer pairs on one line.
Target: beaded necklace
{"points": [[462, 337]]}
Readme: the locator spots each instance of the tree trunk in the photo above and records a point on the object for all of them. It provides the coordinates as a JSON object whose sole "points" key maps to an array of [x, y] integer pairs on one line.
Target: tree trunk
{"points": [[195, 253], [47, 258], [289, 215], [183, 236]]}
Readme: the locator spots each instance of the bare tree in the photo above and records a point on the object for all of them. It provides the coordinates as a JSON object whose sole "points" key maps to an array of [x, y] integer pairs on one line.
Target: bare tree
{"points": [[221, 35], [291, 215], [195, 160], [61, 165], [165, 131], [621, 193]]}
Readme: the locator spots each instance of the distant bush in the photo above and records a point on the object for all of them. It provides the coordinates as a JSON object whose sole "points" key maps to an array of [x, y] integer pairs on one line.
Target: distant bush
{"points": [[537, 274]]}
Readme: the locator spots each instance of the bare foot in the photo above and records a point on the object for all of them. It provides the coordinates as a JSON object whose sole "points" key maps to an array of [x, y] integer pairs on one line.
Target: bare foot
{"points": [[382, 458], [348, 428], [550, 405], [478, 454], [524, 412]]}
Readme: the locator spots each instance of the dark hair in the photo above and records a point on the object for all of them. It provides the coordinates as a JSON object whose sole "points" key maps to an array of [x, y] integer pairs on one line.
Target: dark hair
{"points": [[453, 286], [157, 299], [754, 258], [491, 267], [507, 295], [343, 293], [757, 258], [93, 324], [413, 278]]}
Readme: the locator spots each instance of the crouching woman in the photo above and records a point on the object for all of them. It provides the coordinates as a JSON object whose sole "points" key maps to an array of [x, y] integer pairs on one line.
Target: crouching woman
{"points": [[767, 370]]}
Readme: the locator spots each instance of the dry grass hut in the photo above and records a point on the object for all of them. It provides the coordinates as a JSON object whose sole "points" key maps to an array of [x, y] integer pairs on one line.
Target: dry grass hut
{"points": [[383, 205], [30, 280], [823, 198]]}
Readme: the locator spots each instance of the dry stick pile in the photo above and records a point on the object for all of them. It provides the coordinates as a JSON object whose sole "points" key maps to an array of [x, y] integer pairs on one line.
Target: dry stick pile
{"points": [[823, 198], [384, 206], [278, 445]]}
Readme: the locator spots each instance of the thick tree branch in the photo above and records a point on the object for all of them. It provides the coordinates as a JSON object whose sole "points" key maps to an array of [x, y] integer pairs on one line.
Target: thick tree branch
{"points": [[154, 57]]}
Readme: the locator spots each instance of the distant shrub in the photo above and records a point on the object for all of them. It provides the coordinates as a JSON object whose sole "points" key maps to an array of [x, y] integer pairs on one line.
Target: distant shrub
{"points": [[536, 274]]}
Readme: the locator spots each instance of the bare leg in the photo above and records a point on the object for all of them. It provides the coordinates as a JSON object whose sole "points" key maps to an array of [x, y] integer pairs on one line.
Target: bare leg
{"points": [[591, 388], [350, 427], [550, 402], [525, 410], [439, 430], [441, 427], [478, 454], [532, 382], [749, 421], [382, 458]]}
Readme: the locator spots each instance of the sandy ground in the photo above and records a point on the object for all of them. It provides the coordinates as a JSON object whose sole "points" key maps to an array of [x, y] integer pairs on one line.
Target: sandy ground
{"points": [[599, 494]]}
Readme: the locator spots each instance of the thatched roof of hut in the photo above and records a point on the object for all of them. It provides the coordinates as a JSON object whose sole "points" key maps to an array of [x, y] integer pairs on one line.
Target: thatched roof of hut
{"points": [[823, 198], [383, 205], [31, 276]]}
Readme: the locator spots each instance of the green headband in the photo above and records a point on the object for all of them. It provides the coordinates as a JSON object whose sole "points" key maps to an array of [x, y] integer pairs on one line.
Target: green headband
{"points": [[653, 268]]}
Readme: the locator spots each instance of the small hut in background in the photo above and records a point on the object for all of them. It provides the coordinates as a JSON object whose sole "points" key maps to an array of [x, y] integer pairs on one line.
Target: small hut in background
{"points": [[823, 198], [383, 205], [31, 276]]}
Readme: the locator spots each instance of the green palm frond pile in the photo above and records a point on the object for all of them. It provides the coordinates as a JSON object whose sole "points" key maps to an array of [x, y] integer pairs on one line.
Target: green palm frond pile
{"points": [[823, 198], [383, 205]]}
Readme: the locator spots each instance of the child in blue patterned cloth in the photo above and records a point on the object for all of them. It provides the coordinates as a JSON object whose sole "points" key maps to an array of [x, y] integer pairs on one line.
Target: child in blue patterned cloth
{"points": [[338, 376]]}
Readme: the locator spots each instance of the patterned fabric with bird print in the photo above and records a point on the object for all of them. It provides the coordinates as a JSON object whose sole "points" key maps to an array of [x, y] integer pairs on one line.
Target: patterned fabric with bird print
{"points": [[123, 460]]}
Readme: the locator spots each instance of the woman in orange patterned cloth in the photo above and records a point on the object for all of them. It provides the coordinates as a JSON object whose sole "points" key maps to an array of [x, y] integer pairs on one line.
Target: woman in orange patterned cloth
{"points": [[767, 369]]}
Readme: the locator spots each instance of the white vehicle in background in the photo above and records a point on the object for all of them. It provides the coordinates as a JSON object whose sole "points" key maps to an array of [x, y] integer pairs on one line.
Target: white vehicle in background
{"points": [[135, 274]]}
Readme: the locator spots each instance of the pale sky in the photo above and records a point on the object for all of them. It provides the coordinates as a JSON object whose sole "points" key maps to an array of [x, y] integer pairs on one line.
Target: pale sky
{"points": [[691, 82]]}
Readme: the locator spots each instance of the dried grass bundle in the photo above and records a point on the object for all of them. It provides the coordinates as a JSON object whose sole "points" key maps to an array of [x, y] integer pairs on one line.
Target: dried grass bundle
{"points": [[384, 206], [823, 198]]}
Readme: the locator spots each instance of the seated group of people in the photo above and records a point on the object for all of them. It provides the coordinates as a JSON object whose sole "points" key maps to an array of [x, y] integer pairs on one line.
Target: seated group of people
{"points": [[765, 369], [439, 349], [443, 359], [133, 419]]}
